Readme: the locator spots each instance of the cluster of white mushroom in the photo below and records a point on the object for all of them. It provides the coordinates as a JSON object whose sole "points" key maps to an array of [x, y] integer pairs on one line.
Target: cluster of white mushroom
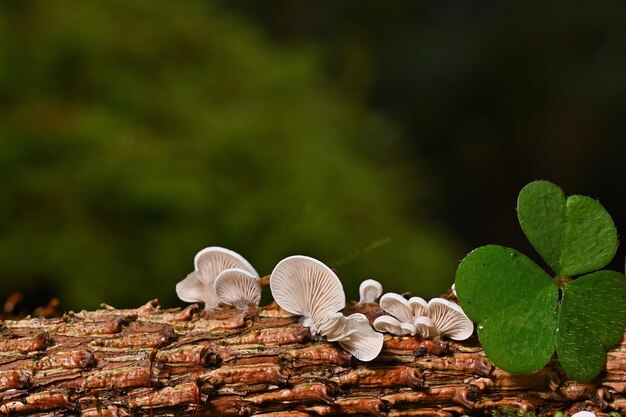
{"points": [[417, 317], [306, 287], [221, 276]]}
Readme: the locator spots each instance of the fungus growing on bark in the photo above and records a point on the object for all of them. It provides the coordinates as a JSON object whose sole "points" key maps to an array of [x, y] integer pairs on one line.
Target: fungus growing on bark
{"points": [[237, 287], [425, 327], [198, 286], [354, 334], [584, 414], [305, 286], [389, 324], [415, 316], [449, 319], [369, 291]]}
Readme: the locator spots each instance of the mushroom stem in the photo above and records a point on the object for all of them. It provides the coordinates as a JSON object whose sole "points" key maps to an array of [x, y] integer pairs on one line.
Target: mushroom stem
{"points": [[264, 281]]}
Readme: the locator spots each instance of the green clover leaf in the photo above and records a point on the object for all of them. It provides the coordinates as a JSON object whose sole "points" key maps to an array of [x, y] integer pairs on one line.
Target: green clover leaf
{"points": [[507, 312], [591, 320], [573, 235], [523, 314]]}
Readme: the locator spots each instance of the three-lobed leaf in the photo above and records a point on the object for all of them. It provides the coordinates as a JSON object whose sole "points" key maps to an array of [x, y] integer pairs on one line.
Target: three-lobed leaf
{"points": [[521, 320], [574, 235]]}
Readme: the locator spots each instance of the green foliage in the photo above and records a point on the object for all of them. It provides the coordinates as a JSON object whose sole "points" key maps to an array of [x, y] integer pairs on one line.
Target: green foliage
{"points": [[523, 314], [573, 235], [133, 134], [514, 303]]}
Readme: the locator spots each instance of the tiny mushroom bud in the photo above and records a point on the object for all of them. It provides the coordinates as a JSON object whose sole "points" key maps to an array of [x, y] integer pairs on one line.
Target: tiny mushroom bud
{"points": [[209, 263], [449, 319], [239, 288], [305, 286], [369, 291], [453, 288]]}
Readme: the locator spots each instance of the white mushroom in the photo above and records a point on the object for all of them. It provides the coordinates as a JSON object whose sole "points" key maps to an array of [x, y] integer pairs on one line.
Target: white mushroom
{"points": [[192, 290], [353, 333], [365, 343], [404, 310], [584, 414], [335, 326], [453, 288], [425, 327], [369, 291], [437, 317], [209, 263], [239, 288], [305, 286], [449, 319], [388, 324]]}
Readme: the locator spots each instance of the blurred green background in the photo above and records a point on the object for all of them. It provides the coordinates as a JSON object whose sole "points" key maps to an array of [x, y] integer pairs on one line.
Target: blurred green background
{"points": [[386, 141]]}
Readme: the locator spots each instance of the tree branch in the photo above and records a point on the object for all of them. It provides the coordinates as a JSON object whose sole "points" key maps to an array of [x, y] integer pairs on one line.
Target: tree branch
{"points": [[149, 361]]}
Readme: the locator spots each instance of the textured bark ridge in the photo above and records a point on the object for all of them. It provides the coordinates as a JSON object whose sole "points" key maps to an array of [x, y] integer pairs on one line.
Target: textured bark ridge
{"points": [[154, 362]]}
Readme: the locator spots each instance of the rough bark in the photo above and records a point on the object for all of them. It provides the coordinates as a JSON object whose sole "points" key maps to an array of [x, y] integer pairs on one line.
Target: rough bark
{"points": [[149, 361]]}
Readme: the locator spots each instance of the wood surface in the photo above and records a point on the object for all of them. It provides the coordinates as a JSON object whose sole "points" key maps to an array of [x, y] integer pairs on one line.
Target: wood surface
{"points": [[154, 362]]}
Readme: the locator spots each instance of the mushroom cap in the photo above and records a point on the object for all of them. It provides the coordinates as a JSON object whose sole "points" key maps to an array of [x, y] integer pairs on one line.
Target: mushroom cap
{"points": [[449, 319], [369, 291], [192, 289], [211, 261], [584, 414], [239, 288], [364, 343], [404, 310], [391, 325], [305, 286], [425, 327], [335, 326]]}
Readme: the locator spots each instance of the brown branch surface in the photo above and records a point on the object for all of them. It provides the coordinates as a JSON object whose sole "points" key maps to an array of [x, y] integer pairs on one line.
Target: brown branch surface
{"points": [[149, 361]]}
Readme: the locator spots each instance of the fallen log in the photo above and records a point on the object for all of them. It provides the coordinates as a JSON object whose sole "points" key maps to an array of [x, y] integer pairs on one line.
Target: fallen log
{"points": [[153, 362]]}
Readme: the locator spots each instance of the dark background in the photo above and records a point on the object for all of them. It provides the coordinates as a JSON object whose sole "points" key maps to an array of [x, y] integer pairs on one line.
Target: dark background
{"points": [[385, 140]]}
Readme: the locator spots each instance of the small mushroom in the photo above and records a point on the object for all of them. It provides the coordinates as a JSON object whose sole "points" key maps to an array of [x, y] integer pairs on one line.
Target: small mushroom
{"points": [[369, 291], [388, 324], [404, 310], [425, 327], [584, 414], [354, 334], [453, 288], [437, 317], [449, 319], [239, 288], [365, 343], [209, 263], [334, 326], [305, 286], [192, 289]]}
